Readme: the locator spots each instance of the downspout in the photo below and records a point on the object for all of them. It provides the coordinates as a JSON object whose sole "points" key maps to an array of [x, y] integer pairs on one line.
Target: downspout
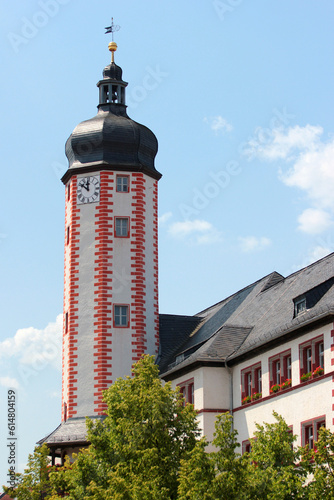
{"points": [[230, 372]]}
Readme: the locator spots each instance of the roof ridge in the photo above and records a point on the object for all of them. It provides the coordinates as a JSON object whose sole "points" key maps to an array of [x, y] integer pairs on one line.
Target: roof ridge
{"points": [[310, 265], [237, 292]]}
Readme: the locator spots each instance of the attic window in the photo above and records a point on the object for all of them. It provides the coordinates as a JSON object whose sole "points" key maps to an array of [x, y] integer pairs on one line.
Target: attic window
{"points": [[300, 306]]}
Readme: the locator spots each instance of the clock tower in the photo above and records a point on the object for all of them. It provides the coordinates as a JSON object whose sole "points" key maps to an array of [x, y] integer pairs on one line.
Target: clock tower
{"points": [[111, 315]]}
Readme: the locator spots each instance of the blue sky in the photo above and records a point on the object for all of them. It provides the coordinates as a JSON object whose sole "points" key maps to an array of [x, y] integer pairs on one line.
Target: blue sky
{"points": [[240, 97]]}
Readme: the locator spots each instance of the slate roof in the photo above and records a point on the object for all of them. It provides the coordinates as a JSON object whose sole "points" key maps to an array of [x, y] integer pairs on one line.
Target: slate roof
{"points": [[250, 319], [73, 431]]}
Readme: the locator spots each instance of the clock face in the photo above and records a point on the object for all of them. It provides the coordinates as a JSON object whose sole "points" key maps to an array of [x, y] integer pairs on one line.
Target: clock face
{"points": [[88, 189]]}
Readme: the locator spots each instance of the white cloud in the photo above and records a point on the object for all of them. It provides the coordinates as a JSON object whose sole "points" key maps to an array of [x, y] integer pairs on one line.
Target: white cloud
{"points": [[311, 169], [317, 253], [32, 346], [218, 124], [164, 218], [314, 221], [313, 172], [252, 243], [279, 143], [201, 232], [10, 382]]}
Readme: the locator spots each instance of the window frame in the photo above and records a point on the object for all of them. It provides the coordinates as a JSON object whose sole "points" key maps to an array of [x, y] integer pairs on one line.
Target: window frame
{"points": [[116, 325], [187, 389], [121, 176], [301, 301], [127, 219], [311, 427], [281, 376], [251, 381], [246, 446], [308, 364]]}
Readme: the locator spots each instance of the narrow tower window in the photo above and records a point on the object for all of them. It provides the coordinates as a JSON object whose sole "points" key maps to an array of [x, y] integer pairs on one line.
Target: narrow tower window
{"points": [[121, 316], [121, 227], [66, 322], [122, 183]]}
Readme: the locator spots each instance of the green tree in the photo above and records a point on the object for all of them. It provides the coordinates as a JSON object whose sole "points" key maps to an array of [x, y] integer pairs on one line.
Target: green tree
{"points": [[197, 474], [274, 460], [319, 462], [135, 452], [35, 479], [232, 471], [221, 474]]}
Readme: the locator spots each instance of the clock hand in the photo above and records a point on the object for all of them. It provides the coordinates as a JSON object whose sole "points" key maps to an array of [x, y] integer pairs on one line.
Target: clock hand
{"points": [[86, 186]]}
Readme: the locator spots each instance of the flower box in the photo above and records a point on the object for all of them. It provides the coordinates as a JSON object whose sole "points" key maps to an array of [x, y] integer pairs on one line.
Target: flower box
{"points": [[257, 395], [286, 384], [306, 376], [318, 371], [275, 388], [246, 400]]}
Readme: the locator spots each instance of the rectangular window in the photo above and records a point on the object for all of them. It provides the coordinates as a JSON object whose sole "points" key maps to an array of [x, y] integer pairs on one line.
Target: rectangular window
{"points": [[187, 391], [288, 367], [122, 183], [311, 358], [251, 382], [66, 322], [300, 306], [308, 359], [258, 380], [310, 431], [121, 316], [277, 373], [121, 227], [69, 192], [246, 446], [320, 349], [280, 371], [67, 235]]}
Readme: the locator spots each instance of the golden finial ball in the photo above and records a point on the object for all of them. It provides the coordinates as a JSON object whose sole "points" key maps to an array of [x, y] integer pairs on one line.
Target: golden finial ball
{"points": [[112, 46]]}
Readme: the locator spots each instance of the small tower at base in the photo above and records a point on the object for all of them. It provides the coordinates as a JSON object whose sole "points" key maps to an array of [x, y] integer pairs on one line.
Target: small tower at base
{"points": [[111, 315]]}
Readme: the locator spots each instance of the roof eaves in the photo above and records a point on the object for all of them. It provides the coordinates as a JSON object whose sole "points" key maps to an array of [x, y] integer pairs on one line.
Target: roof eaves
{"points": [[308, 319]]}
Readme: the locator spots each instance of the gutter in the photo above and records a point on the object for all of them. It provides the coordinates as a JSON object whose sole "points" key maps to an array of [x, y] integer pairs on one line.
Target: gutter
{"points": [[230, 372]]}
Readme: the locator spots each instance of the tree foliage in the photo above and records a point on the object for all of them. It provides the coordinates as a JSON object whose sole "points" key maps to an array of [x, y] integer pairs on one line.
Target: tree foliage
{"points": [[148, 448], [274, 460], [35, 480], [319, 462], [136, 450]]}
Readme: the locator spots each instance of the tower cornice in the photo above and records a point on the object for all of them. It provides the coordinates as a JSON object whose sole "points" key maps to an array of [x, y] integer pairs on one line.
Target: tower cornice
{"points": [[98, 166]]}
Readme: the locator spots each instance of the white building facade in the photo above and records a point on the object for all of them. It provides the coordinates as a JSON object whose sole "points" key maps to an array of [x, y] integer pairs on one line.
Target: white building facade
{"points": [[268, 348]]}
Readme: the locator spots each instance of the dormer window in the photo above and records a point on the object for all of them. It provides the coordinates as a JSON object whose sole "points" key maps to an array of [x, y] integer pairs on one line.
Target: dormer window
{"points": [[310, 298], [300, 306]]}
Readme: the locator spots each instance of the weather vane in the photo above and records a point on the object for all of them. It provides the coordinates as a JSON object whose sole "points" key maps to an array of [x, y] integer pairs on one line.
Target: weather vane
{"points": [[111, 29]]}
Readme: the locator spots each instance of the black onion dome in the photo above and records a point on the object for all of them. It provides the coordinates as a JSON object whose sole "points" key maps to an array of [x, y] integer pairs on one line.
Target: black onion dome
{"points": [[114, 140]]}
